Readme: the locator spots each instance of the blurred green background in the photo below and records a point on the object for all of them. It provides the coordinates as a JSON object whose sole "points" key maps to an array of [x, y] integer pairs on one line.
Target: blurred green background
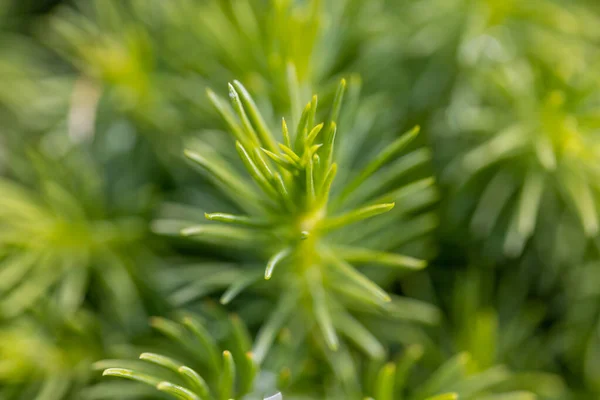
{"points": [[500, 193]]}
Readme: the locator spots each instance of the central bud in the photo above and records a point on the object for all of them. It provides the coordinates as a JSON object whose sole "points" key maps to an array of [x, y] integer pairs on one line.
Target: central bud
{"points": [[308, 222]]}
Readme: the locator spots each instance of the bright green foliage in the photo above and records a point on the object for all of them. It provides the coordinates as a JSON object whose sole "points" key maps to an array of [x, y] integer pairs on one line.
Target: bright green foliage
{"points": [[27, 86], [579, 328], [456, 37], [225, 378], [114, 50], [336, 207], [558, 33], [45, 355], [491, 328], [157, 79], [293, 217], [518, 131], [502, 334], [226, 374], [57, 238], [451, 381], [536, 141]]}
